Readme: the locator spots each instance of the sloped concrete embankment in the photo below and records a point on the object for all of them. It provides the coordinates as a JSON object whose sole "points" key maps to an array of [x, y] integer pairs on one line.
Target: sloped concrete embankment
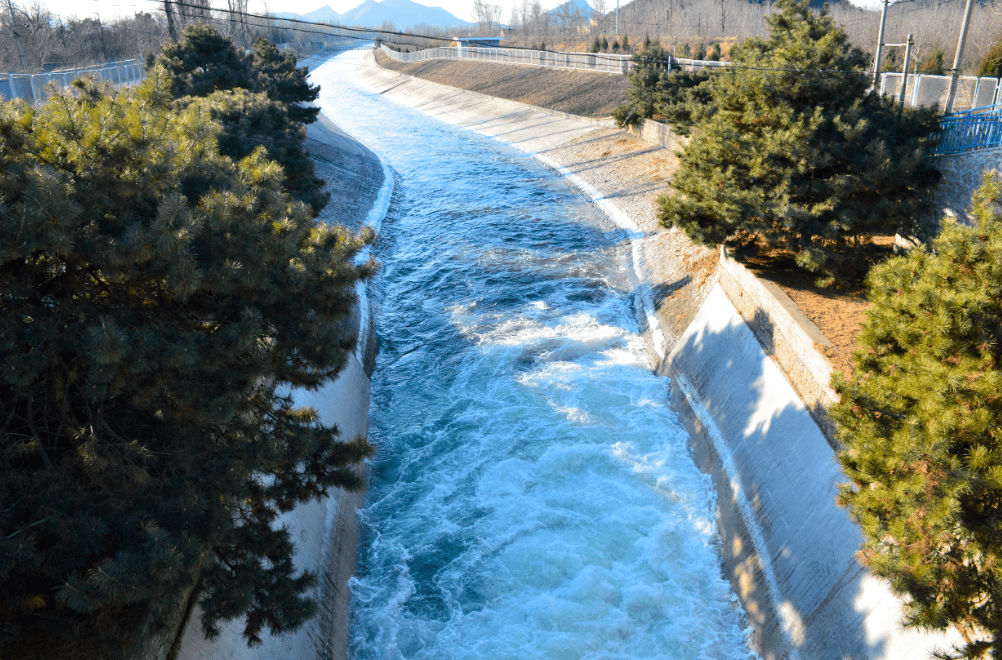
{"points": [[324, 532], [787, 548]]}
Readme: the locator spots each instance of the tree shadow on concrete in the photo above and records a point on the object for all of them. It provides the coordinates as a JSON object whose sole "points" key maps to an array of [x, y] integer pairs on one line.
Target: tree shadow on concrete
{"points": [[787, 548]]}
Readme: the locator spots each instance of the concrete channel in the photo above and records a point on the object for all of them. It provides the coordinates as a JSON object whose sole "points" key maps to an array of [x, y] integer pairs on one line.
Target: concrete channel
{"points": [[787, 549]]}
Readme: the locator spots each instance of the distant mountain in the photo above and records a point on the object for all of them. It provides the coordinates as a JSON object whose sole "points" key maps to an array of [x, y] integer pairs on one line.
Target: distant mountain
{"points": [[323, 15], [286, 14], [567, 8], [402, 13]]}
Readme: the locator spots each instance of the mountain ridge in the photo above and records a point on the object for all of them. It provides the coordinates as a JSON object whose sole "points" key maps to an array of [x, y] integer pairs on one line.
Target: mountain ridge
{"points": [[370, 13]]}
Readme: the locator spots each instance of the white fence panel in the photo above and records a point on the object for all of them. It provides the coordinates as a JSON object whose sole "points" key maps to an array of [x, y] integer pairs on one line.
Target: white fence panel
{"points": [[921, 89], [32, 87]]}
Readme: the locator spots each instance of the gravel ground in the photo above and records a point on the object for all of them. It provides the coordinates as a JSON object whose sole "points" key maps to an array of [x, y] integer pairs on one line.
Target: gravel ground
{"points": [[584, 93]]}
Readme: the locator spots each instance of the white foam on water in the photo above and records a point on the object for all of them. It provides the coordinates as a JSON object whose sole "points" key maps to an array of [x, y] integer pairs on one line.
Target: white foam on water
{"points": [[559, 510]]}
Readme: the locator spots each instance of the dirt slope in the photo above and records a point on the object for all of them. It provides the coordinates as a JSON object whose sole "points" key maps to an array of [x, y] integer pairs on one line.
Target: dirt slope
{"points": [[584, 93]]}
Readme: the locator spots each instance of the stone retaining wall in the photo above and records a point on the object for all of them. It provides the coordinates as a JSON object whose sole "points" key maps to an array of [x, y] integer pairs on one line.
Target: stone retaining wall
{"points": [[962, 175]]}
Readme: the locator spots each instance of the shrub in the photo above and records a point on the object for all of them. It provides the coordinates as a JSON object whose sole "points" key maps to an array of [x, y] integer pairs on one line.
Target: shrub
{"points": [[991, 64], [204, 63], [920, 419], [154, 298]]}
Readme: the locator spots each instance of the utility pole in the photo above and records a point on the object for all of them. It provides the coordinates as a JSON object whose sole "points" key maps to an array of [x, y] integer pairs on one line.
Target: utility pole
{"points": [[880, 45], [904, 71], [17, 36], [170, 20], [140, 40], [100, 27], [617, 18], [955, 78]]}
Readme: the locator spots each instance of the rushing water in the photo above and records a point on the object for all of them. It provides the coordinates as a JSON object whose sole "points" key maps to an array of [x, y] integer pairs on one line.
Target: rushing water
{"points": [[533, 495]]}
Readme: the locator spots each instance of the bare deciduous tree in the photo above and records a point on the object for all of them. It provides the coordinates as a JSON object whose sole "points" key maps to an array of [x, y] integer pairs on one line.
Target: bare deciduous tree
{"points": [[487, 16]]}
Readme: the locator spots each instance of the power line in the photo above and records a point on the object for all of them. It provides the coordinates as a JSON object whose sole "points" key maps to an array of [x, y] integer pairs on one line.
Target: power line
{"points": [[602, 56]]}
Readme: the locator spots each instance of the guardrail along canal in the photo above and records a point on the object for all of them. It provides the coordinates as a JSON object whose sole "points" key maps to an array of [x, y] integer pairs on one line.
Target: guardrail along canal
{"points": [[533, 495]]}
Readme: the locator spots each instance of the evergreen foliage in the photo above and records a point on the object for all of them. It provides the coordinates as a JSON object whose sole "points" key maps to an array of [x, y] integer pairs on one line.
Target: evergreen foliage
{"points": [[714, 54], [921, 422], [658, 86], [264, 84], [991, 64], [934, 63], [789, 154], [156, 298], [893, 60], [625, 46]]}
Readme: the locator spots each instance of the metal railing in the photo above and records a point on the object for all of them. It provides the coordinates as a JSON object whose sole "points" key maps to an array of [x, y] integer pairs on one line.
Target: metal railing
{"points": [[920, 89], [602, 62], [925, 89], [978, 128], [335, 46], [32, 86]]}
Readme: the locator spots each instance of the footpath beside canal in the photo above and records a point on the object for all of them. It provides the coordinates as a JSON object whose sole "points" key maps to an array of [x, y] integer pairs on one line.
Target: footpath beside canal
{"points": [[747, 377]]}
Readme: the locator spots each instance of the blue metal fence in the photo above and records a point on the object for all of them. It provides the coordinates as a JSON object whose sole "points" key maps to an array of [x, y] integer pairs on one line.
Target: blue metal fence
{"points": [[977, 128]]}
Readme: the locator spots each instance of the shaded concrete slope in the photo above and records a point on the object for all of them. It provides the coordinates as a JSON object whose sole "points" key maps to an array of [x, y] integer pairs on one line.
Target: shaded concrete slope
{"points": [[787, 548], [324, 532]]}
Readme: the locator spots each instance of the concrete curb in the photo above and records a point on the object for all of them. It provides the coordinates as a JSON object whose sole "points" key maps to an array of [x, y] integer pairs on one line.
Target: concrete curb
{"points": [[788, 550], [786, 335]]}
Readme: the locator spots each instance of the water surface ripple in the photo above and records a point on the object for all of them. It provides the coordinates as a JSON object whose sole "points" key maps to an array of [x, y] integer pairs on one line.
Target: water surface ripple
{"points": [[533, 495]]}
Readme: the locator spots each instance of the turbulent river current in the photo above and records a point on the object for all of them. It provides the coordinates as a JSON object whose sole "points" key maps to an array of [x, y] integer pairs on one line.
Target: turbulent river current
{"points": [[533, 495]]}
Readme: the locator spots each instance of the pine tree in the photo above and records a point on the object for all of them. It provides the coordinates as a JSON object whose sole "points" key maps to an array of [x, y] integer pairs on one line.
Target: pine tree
{"points": [[155, 299], [934, 63], [597, 45], [991, 64], [280, 79], [625, 46], [651, 64], [605, 45], [714, 54], [204, 61], [921, 422], [892, 61], [791, 154], [205, 64]]}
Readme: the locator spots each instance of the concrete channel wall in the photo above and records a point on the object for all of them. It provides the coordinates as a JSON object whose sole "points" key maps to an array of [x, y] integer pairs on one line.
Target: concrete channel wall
{"points": [[788, 550]]}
